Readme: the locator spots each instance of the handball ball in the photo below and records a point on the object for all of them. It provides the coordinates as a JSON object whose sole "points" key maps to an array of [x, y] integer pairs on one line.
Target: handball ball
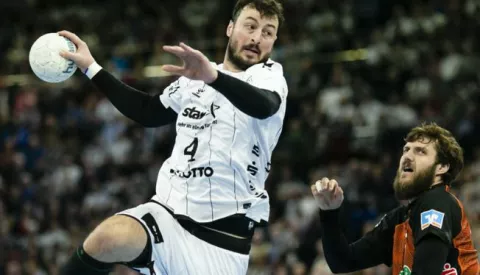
{"points": [[45, 59]]}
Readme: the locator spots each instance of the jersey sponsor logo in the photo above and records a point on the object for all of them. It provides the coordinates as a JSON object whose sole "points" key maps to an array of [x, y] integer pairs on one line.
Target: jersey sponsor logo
{"points": [[449, 270], [256, 150], [269, 167], [213, 108], [253, 191], [193, 113], [197, 172], [431, 218], [405, 271], [252, 169], [196, 127]]}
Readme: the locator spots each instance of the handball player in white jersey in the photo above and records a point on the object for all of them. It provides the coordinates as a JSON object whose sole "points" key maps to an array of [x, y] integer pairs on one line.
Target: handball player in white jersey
{"points": [[210, 192]]}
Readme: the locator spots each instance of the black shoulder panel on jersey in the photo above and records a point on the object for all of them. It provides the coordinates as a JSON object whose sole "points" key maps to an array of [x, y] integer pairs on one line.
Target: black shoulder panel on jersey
{"points": [[436, 212]]}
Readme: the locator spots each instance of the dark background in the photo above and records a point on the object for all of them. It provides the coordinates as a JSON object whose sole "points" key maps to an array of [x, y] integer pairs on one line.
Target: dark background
{"points": [[360, 73]]}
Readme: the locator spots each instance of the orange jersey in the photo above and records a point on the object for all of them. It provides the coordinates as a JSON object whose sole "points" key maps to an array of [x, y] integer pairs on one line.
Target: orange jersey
{"points": [[440, 213], [435, 213]]}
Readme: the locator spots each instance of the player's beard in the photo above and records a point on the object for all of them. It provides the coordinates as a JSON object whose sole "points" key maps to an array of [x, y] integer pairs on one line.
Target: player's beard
{"points": [[233, 55], [420, 183]]}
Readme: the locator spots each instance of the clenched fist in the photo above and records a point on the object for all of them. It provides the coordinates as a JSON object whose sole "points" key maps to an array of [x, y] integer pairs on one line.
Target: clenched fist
{"points": [[328, 194]]}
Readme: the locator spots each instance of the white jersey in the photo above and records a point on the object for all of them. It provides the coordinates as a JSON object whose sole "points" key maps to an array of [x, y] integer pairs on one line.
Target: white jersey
{"points": [[221, 157]]}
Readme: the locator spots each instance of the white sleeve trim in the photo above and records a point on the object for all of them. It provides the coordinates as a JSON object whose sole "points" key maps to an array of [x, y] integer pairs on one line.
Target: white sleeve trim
{"points": [[92, 70]]}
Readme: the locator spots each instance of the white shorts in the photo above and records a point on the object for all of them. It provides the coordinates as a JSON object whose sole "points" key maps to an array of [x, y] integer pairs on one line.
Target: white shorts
{"points": [[176, 251]]}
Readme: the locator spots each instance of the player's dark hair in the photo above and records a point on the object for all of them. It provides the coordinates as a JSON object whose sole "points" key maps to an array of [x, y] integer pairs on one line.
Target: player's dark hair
{"points": [[448, 150], [267, 8]]}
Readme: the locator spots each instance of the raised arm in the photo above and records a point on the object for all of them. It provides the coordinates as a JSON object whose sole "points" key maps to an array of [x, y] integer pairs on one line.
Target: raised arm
{"points": [[253, 101], [342, 257], [141, 107]]}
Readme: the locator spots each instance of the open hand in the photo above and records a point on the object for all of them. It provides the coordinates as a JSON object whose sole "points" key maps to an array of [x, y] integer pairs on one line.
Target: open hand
{"points": [[196, 65]]}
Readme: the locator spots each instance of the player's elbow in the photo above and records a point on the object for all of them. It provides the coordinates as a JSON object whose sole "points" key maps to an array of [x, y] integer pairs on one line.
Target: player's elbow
{"points": [[268, 106], [262, 112], [268, 111], [263, 116]]}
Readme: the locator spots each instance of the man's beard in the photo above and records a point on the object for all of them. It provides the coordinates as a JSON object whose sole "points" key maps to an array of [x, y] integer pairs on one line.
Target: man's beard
{"points": [[421, 182], [237, 60]]}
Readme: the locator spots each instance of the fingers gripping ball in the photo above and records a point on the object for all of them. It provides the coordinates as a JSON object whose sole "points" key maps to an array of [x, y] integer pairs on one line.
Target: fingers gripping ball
{"points": [[45, 60]]}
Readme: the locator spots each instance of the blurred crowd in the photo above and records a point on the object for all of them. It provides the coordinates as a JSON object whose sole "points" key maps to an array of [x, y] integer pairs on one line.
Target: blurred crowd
{"points": [[360, 73]]}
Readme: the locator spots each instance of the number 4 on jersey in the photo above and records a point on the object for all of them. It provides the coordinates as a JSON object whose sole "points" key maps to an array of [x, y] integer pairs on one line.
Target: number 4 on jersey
{"points": [[191, 149]]}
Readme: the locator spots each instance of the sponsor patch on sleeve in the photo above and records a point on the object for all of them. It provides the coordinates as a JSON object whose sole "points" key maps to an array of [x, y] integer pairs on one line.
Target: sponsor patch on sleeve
{"points": [[431, 218]]}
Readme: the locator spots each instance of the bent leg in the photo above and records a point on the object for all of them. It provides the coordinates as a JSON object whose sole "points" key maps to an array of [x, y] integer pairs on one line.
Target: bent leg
{"points": [[117, 239]]}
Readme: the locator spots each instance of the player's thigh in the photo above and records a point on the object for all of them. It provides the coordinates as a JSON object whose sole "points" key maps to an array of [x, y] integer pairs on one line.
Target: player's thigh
{"points": [[157, 222], [205, 258], [117, 239], [176, 251]]}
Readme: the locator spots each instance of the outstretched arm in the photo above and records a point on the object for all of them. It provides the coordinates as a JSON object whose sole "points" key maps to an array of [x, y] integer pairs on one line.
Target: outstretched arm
{"points": [[249, 99]]}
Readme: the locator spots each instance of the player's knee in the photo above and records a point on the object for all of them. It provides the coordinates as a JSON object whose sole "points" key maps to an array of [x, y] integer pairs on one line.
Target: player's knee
{"points": [[117, 239]]}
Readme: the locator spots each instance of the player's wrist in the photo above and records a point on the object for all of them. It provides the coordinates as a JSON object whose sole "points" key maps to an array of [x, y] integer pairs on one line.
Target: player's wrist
{"points": [[92, 70], [213, 78]]}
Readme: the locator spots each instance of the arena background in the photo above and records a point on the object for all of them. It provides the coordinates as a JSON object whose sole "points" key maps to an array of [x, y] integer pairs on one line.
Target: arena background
{"points": [[360, 74]]}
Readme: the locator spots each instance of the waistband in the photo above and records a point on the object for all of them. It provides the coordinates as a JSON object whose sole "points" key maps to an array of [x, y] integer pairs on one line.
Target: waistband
{"points": [[236, 225]]}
